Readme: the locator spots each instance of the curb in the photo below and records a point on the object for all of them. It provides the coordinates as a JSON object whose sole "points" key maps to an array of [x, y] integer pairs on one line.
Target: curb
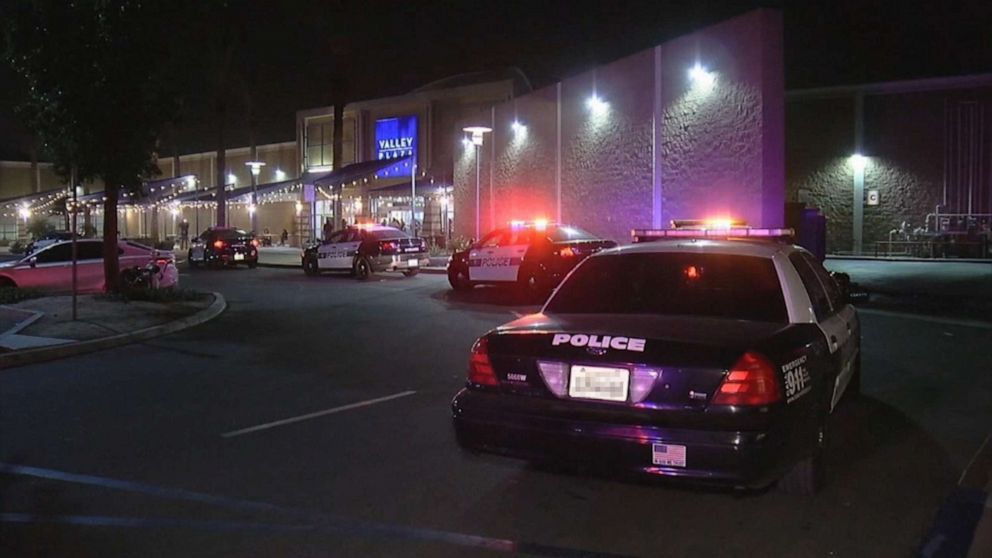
{"points": [[32, 356], [908, 259]]}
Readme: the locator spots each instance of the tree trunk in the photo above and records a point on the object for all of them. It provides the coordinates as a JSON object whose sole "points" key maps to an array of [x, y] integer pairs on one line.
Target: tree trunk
{"points": [[337, 154], [221, 179], [111, 266]]}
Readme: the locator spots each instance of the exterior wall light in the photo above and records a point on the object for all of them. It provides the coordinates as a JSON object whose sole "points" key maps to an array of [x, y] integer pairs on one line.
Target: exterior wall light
{"points": [[597, 106], [701, 78], [251, 209], [231, 179], [24, 212], [519, 129], [858, 162], [190, 182], [299, 208], [280, 175]]}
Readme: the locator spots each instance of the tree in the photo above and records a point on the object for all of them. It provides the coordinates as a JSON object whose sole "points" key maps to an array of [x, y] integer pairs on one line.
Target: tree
{"points": [[98, 92]]}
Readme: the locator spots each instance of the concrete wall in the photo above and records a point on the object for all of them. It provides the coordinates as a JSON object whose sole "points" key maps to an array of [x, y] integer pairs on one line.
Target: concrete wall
{"points": [[913, 144], [664, 148]]}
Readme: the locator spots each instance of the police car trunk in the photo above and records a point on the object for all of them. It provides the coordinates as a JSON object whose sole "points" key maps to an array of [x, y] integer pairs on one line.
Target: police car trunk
{"points": [[662, 362]]}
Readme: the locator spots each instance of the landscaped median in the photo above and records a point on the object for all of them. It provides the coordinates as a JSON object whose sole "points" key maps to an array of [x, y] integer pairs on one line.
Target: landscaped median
{"points": [[42, 328]]}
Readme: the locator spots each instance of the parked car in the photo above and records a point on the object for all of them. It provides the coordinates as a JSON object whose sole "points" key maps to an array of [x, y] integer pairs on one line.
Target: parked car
{"points": [[50, 268], [716, 360], [366, 249], [224, 246], [48, 239], [536, 256]]}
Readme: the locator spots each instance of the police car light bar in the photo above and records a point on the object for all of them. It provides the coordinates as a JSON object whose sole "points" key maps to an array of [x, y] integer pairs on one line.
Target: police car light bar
{"points": [[647, 235]]}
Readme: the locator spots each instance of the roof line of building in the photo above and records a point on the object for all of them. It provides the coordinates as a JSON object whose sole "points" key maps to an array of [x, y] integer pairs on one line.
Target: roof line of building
{"points": [[893, 87]]}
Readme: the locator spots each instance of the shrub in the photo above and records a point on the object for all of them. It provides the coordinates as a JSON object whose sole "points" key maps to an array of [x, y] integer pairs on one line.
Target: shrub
{"points": [[11, 295], [16, 247]]}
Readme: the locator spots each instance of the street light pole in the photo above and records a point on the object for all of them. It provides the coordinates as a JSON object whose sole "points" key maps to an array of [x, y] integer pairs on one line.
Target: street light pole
{"points": [[256, 169], [478, 133]]}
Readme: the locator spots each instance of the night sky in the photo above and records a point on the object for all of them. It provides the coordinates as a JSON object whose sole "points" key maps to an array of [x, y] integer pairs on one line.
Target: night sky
{"points": [[390, 48]]}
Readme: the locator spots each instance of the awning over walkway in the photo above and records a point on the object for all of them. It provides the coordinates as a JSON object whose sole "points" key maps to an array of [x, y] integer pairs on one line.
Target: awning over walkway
{"points": [[353, 172], [36, 198]]}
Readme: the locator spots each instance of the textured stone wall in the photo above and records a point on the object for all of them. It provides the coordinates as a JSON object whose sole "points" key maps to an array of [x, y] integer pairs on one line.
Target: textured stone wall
{"points": [[905, 142], [706, 151]]}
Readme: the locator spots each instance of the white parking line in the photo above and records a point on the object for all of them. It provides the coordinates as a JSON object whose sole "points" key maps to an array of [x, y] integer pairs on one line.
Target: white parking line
{"points": [[922, 318], [309, 416]]}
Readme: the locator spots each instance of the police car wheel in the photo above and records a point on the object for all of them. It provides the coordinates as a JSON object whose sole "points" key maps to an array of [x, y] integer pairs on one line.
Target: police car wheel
{"points": [[310, 267], [459, 281], [854, 385], [411, 272], [808, 476], [363, 270], [533, 285]]}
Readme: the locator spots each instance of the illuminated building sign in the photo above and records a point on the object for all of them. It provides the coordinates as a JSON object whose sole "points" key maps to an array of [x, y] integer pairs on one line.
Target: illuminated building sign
{"points": [[396, 138]]}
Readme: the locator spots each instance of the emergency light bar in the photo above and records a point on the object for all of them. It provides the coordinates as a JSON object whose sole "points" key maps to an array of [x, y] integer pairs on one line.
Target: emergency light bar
{"points": [[647, 235]]}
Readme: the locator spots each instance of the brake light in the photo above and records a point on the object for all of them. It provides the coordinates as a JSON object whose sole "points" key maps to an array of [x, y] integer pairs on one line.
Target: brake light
{"points": [[254, 242], [480, 368], [162, 262], [751, 381], [387, 246], [218, 244]]}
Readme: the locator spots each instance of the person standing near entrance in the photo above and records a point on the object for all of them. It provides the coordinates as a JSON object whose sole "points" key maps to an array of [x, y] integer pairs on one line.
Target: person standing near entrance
{"points": [[283, 237], [328, 229], [184, 234]]}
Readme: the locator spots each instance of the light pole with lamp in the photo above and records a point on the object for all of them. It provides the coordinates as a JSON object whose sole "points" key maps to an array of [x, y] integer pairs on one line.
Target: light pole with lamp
{"points": [[478, 133], [256, 169]]}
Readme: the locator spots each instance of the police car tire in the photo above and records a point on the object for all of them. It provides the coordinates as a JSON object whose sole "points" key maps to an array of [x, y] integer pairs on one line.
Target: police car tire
{"points": [[854, 386], [411, 272], [363, 269], [310, 267], [532, 284], [808, 475], [459, 280]]}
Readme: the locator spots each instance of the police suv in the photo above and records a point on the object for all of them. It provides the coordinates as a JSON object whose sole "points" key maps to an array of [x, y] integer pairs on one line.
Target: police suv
{"points": [[535, 255], [366, 249], [711, 355]]}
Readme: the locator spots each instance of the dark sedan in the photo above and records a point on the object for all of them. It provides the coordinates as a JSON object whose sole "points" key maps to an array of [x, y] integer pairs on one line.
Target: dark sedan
{"points": [[223, 246]]}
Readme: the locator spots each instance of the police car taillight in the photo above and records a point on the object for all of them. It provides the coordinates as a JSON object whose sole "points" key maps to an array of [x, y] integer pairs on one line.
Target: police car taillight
{"points": [[751, 381], [387, 247], [480, 368]]}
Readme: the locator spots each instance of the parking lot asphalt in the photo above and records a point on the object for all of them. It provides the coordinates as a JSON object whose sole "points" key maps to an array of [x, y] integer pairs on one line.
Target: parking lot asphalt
{"points": [[312, 419]]}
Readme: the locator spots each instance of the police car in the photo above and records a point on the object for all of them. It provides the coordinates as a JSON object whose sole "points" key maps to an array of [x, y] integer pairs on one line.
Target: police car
{"points": [[711, 355], [535, 255], [366, 249]]}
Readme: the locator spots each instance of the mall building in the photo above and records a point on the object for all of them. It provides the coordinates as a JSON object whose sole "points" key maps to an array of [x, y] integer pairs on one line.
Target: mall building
{"points": [[697, 127]]}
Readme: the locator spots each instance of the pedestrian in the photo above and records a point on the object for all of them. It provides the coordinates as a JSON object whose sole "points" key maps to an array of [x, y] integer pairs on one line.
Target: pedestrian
{"points": [[184, 235], [328, 229], [283, 237]]}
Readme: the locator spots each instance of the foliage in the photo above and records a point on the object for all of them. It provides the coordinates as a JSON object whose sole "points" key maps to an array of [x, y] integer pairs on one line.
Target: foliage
{"points": [[159, 295], [12, 295], [39, 227], [16, 247], [98, 90]]}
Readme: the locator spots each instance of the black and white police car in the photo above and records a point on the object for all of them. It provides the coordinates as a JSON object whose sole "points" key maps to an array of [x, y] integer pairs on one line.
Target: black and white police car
{"points": [[715, 356], [535, 255], [366, 249]]}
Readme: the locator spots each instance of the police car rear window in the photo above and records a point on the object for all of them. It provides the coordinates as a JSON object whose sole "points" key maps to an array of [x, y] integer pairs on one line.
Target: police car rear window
{"points": [[228, 234], [706, 285], [385, 234], [565, 233]]}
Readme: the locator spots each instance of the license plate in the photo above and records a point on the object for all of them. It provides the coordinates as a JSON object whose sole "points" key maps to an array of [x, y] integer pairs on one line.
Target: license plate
{"points": [[412, 263], [239, 257], [597, 382], [668, 455]]}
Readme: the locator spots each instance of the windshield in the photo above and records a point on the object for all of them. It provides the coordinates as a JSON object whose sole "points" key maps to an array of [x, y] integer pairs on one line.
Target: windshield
{"points": [[710, 285]]}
